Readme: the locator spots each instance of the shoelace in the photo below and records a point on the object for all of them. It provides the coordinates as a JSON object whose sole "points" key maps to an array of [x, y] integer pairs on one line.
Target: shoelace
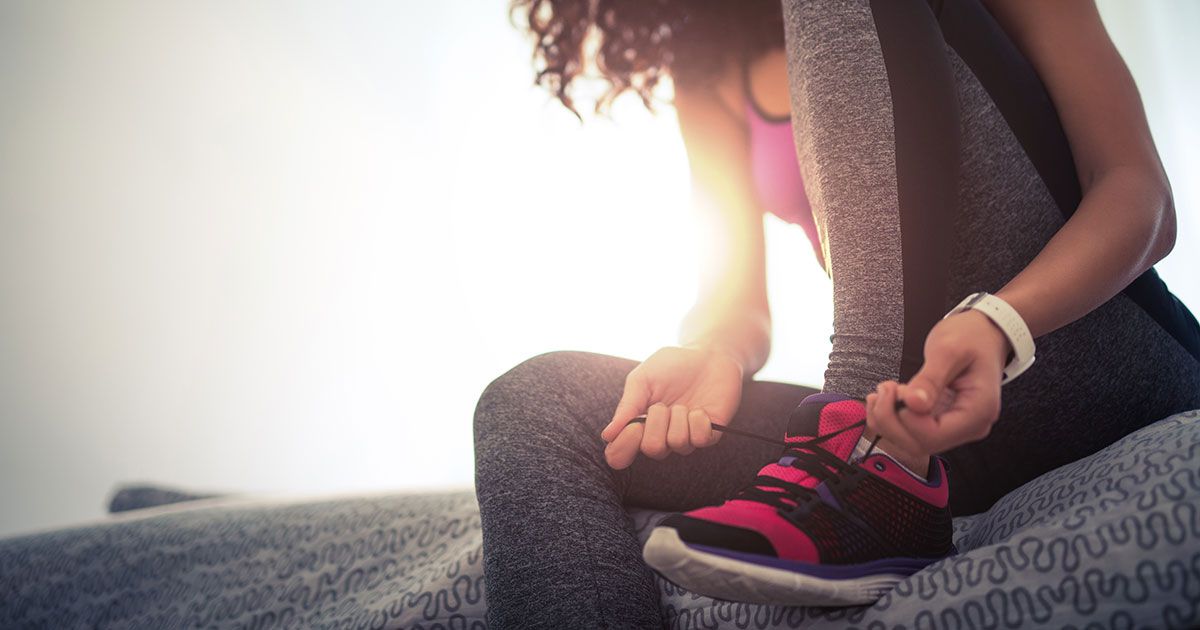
{"points": [[806, 456], [762, 438]]}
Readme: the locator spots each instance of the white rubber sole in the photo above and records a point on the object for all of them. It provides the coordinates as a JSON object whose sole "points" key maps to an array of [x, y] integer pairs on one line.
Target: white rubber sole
{"points": [[737, 580]]}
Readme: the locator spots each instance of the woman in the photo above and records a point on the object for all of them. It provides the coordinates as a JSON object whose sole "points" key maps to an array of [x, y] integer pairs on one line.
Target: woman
{"points": [[941, 150]]}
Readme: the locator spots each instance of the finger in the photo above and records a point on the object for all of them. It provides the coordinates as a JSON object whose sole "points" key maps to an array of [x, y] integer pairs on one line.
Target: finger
{"points": [[654, 438], [700, 429], [632, 404], [927, 385], [969, 420], [908, 396], [887, 423], [678, 435], [621, 452], [905, 412], [943, 402], [919, 426]]}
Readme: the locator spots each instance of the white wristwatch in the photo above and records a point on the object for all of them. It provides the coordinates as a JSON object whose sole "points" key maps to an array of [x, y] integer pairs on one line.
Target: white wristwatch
{"points": [[1009, 321]]}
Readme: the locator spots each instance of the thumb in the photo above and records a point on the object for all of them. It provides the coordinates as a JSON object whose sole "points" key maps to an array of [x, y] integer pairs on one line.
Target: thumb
{"points": [[925, 388], [633, 403]]}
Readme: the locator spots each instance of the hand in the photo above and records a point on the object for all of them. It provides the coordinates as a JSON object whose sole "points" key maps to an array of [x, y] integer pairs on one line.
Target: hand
{"points": [[682, 391], [955, 397]]}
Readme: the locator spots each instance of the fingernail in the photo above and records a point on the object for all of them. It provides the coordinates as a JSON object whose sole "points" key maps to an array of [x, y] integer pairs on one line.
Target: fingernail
{"points": [[922, 395]]}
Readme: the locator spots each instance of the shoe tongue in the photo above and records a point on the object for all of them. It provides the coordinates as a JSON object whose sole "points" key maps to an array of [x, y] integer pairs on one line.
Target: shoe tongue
{"points": [[825, 414], [819, 415]]}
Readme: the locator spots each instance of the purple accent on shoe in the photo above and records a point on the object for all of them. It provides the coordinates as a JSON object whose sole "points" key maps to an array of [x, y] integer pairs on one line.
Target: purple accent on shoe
{"points": [[824, 397], [885, 566], [787, 461], [934, 475], [827, 497]]}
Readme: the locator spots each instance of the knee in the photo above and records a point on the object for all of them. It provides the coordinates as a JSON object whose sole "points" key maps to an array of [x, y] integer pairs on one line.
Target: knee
{"points": [[534, 378], [535, 395]]}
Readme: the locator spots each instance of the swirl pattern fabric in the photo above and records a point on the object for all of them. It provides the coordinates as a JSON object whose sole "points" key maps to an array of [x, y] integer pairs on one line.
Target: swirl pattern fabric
{"points": [[1110, 541], [408, 561]]}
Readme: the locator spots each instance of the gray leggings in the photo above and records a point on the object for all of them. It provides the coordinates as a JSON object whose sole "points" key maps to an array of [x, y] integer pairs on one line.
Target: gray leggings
{"points": [[937, 167]]}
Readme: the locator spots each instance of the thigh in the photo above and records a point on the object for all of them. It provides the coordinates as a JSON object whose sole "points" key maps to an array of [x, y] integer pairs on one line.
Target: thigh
{"points": [[551, 408]]}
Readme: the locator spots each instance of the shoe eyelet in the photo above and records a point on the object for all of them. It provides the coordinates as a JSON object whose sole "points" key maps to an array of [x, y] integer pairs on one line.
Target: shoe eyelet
{"points": [[879, 466]]}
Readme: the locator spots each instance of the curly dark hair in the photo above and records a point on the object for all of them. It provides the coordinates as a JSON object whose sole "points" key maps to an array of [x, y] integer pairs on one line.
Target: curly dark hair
{"points": [[633, 44]]}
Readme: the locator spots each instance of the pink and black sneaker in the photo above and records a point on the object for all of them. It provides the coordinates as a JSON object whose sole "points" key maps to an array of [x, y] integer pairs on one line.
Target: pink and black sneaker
{"points": [[814, 528]]}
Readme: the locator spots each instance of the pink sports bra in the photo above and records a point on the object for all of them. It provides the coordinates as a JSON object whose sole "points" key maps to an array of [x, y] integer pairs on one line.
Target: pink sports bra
{"points": [[776, 170]]}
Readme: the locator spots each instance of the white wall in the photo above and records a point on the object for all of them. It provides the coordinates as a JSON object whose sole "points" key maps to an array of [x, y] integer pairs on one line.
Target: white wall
{"points": [[282, 246]]}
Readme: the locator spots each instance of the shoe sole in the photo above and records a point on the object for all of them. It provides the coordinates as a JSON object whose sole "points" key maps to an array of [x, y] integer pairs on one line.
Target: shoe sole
{"points": [[737, 580]]}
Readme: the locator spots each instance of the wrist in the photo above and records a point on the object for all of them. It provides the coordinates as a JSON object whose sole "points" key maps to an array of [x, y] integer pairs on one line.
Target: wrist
{"points": [[716, 348], [1021, 302], [995, 340], [1018, 340]]}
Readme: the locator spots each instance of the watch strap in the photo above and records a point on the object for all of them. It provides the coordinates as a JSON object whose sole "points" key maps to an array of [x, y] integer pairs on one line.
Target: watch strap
{"points": [[1010, 323]]}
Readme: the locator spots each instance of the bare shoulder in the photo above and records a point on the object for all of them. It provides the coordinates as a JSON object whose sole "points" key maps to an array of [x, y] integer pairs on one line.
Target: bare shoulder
{"points": [[712, 109]]}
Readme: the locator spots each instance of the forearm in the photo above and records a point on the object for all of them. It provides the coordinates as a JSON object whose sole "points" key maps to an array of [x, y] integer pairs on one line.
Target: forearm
{"points": [[1124, 225]]}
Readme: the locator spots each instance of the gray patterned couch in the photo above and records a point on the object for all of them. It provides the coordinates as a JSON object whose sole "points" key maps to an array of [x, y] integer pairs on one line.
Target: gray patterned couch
{"points": [[1111, 541]]}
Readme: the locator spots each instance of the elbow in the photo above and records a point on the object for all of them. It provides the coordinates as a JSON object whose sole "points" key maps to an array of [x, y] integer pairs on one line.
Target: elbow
{"points": [[1149, 192], [1148, 207], [1165, 224]]}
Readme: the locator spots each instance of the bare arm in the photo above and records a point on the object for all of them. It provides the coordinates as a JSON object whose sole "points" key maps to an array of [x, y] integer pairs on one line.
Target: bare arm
{"points": [[731, 312], [683, 393], [1126, 221]]}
